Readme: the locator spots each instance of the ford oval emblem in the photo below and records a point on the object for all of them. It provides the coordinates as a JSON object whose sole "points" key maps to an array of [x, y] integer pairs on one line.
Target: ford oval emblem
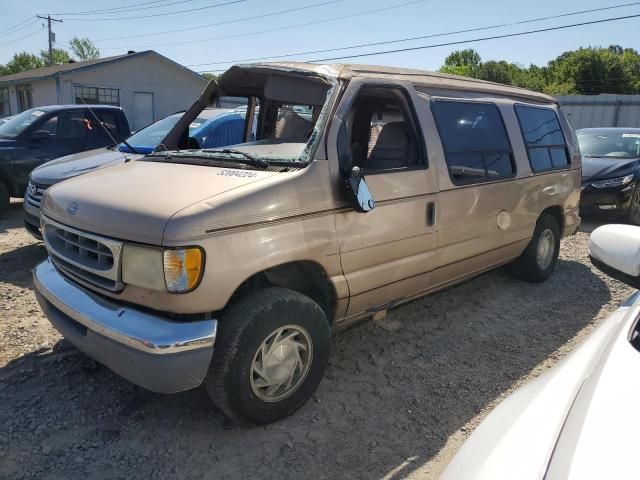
{"points": [[73, 208]]}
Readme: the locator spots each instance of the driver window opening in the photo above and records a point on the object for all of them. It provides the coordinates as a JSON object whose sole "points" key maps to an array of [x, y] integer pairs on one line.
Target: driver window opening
{"points": [[382, 133]]}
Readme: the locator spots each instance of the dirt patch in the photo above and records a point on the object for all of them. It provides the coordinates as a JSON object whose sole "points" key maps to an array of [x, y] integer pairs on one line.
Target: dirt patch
{"points": [[399, 397]]}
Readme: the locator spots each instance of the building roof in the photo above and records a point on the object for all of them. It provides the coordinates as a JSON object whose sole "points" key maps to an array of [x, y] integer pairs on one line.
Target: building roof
{"points": [[46, 72], [417, 77]]}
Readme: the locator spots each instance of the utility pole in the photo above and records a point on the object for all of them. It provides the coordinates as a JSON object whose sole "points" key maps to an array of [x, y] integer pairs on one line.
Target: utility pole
{"points": [[52, 36]]}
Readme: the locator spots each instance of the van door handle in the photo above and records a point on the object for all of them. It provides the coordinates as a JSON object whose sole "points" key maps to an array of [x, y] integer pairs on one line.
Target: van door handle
{"points": [[431, 214]]}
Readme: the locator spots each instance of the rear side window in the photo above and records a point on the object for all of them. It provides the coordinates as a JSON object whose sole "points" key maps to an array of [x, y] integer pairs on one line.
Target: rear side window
{"points": [[475, 141], [543, 137]]}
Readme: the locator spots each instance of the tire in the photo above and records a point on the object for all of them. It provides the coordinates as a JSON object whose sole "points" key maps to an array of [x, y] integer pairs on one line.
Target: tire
{"points": [[233, 383], [633, 214], [532, 267], [4, 198]]}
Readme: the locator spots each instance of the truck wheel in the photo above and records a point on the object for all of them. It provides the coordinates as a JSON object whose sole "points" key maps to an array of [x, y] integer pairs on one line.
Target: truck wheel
{"points": [[539, 259], [270, 355], [4, 198]]}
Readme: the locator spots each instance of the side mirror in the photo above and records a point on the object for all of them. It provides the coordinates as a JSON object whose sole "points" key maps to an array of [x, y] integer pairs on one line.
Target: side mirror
{"points": [[359, 191], [40, 135], [615, 250]]}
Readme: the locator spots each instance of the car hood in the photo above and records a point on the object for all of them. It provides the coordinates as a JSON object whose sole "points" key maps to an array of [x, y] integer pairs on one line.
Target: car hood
{"points": [[135, 200], [71, 166], [576, 421], [594, 168], [7, 143]]}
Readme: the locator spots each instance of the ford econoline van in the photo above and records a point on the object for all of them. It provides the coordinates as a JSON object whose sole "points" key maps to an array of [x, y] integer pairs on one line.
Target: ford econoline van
{"points": [[364, 187]]}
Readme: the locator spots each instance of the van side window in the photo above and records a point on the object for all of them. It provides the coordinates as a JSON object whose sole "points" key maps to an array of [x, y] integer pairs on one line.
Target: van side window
{"points": [[475, 141], [543, 137], [383, 135]]}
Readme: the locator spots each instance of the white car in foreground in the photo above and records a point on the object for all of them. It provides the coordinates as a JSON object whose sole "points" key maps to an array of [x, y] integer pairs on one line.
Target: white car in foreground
{"points": [[579, 420]]}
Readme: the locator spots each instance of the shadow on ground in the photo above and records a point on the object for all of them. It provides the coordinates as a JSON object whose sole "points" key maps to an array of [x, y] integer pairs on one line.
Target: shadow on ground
{"points": [[393, 394]]}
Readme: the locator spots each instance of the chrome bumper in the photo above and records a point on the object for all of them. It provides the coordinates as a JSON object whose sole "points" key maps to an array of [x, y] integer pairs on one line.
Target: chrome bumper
{"points": [[150, 350]]}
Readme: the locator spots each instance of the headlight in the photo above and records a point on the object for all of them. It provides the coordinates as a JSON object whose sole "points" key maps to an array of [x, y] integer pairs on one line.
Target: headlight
{"points": [[183, 268], [142, 266], [613, 182], [176, 270]]}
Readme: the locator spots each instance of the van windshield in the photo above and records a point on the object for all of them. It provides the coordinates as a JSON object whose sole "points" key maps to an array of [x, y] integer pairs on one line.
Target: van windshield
{"points": [[19, 123], [279, 122]]}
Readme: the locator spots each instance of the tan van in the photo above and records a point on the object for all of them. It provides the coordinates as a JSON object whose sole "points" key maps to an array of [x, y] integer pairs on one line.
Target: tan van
{"points": [[358, 188]]}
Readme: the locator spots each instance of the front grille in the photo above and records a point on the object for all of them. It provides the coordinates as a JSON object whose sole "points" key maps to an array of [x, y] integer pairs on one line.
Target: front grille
{"points": [[34, 194], [84, 256]]}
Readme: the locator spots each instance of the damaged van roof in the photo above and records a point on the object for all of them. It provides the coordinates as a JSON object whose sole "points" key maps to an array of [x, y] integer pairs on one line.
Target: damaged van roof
{"points": [[417, 77]]}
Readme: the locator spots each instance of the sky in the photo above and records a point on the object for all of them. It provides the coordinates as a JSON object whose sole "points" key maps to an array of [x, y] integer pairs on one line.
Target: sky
{"points": [[328, 24]]}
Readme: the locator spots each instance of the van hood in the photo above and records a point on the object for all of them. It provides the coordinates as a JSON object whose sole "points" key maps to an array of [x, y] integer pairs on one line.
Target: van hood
{"points": [[76, 164], [135, 200]]}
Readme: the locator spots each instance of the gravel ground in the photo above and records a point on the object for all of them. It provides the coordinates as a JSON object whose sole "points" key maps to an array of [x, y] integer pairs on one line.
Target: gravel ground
{"points": [[399, 397]]}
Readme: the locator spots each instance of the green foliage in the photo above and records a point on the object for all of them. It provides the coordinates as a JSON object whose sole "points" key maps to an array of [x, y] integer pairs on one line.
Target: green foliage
{"points": [[209, 76], [586, 71], [84, 49], [60, 56], [22, 61]]}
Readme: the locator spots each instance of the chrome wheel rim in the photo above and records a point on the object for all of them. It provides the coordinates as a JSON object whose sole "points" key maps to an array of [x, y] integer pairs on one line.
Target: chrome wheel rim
{"points": [[281, 363], [546, 246]]}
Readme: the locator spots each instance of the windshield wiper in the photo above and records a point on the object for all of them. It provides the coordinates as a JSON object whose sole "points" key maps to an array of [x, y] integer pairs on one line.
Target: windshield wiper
{"points": [[253, 161]]}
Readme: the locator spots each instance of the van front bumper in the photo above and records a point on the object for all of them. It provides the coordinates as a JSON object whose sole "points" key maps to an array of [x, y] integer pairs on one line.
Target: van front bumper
{"points": [[155, 352]]}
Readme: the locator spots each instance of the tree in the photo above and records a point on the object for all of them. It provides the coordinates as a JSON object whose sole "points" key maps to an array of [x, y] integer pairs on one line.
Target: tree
{"points": [[462, 62], [22, 61], [587, 71], [60, 56], [209, 76], [593, 70], [84, 49]]}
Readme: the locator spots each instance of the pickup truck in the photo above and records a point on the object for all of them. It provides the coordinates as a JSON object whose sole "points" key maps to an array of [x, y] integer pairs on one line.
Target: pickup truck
{"points": [[40, 134]]}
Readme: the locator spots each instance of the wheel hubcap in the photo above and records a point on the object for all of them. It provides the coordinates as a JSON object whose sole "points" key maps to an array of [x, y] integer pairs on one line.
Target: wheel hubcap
{"points": [[546, 247], [281, 363]]}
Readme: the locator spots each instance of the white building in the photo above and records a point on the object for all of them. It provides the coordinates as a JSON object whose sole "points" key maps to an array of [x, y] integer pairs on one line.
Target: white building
{"points": [[147, 85]]}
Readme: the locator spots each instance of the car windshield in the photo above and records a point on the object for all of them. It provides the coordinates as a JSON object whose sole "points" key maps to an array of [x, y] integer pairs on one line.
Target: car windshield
{"points": [[16, 125], [614, 145], [147, 139]]}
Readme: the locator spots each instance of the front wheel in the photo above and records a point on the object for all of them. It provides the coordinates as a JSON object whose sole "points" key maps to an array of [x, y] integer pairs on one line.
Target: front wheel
{"points": [[539, 259], [4, 198], [633, 213], [271, 353]]}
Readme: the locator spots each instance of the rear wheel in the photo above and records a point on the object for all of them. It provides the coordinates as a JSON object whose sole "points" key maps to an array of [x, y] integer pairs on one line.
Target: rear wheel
{"points": [[539, 259], [4, 198], [271, 353], [633, 214]]}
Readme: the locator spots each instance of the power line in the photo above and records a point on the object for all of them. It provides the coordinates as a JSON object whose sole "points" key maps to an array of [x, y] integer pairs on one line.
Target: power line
{"points": [[461, 42], [421, 37], [137, 17], [19, 24], [124, 8], [237, 20], [509, 35], [22, 38], [19, 27], [276, 29]]}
